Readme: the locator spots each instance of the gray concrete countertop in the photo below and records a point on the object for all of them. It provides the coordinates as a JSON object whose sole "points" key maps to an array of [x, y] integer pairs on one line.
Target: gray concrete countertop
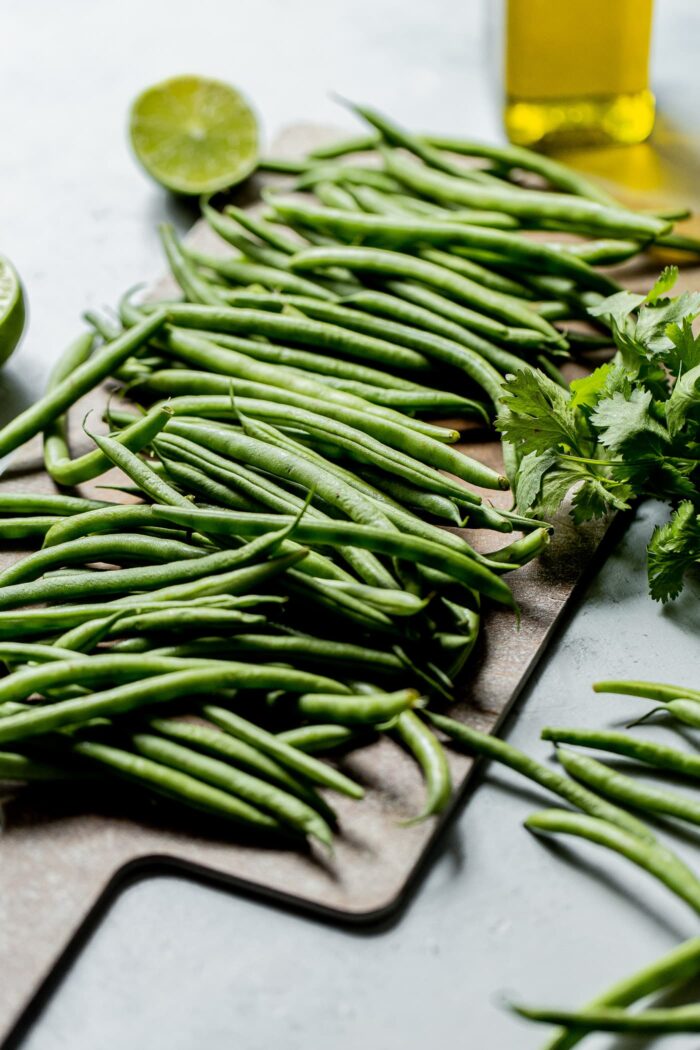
{"points": [[176, 965]]}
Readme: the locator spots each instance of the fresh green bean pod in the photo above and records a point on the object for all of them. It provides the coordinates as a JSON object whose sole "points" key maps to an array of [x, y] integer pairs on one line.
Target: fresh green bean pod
{"points": [[412, 548], [284, 807], [654, 858], [614, 1019], [236, 751], [367, 709], [501, 751], [397, 233], [82, 379], [139, 471], [428, 752], [625, 789], [315, 738], [311, 768], [649, 690], [534, 206], [174, 784], [19, 767], [507, 309], [103, 547], [647, 751], [161, 688]]}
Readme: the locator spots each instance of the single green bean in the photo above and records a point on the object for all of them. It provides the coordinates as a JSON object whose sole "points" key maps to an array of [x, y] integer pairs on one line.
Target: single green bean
{"points": [[648, 751], [624, 789], [412, 548], [368, 709], [284, 807], [161, 688], [501, 751], [652, 857], [574, 213], [139, 471], [680, 964], [649, 690], [82, 379], [177, 785], [291, 757], [428, 751], [19, 767], [314, 738], [615, 1019], [103, 547]]}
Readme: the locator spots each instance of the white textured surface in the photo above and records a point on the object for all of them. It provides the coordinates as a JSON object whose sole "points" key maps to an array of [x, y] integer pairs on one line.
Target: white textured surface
{"points": [[175, 965]]}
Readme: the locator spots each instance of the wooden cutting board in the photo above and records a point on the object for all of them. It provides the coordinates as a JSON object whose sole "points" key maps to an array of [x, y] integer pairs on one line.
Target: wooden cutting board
{"points": [[63, 853]]}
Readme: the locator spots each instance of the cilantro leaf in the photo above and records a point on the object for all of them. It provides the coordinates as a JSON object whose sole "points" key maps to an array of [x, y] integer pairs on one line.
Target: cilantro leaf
{"points": [[536, 415], [684, 401], [528, 482], [663, 284], [621, 419], [674, 548], [684, 353]]}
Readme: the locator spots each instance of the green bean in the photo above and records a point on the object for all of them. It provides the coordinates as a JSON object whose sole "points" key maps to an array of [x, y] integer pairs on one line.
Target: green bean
{"points": [[411, 548], [111, 517], [353, 174], [398, 233], [27, 528], [18, 503], [686, 711], [313, 591], [139, 471], [254, 379], [574, 213], [303, 359], [67, 471], [19, 767], [394, 602], [296, 329], [121, 581], [282, 165], [81, 380], [345, 426], [237, 751], [369, 709], [431, 345], [648, 751], [648, 690], [426, 748], [513, 157], [32, 652], [341, 147], [614, 1019], [230, 231], [306, 649], [652, 857], [239, 272], [161, 688], [298, 761], [397, 204], [283, 806], [618, 786], [265, 231], [407, 495], [413, 313], [680, 964], [89, 671], [56, 430], [504, 308], [172, 783], [196, 621], [195, 288], [104, 547], [314, 738], [191, 480], [500, 751]]}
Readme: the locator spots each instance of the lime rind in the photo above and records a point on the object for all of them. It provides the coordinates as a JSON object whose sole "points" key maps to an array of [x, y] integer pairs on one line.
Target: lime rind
{"points": [[194, 135], [12, 311]]}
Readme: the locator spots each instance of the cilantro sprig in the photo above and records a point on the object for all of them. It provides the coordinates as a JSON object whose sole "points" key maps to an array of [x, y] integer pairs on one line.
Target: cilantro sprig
{"points": [[630, 429]]}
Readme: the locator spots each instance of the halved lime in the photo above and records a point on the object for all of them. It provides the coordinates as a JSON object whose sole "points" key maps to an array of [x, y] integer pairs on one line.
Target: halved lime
{"points": [[194, 135], [12, 312]]}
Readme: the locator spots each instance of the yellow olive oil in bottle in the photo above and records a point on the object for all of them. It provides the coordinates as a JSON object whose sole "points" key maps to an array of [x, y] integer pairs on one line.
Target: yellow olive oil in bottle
{"points": [[577, 71]]}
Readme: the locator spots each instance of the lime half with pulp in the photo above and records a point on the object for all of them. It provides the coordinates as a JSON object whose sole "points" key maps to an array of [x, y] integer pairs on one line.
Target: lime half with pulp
{"points": [[194, 135], [11, 309]]}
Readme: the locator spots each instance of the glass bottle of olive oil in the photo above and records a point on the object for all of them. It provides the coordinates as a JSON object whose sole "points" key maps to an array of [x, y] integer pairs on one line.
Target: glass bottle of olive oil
{"points": [[577, 71]]}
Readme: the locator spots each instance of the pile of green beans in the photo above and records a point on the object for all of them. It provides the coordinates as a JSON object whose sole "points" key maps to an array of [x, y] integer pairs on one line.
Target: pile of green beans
{"points": [[285, 429], [607, 803]]}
